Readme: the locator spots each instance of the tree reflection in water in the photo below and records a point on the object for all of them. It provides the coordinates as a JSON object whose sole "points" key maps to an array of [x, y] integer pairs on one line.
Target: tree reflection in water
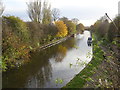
{"points": [[34, 74], [40, 78], [63, 48], [61, 53], [39, 72], [44, 73]]}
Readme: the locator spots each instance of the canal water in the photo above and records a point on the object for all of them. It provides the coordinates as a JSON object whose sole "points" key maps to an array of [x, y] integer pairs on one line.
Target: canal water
{"points": [[53, 67]]}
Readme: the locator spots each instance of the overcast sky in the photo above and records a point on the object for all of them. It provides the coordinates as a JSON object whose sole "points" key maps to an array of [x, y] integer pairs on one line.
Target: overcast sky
{"points": [[87, 11]]}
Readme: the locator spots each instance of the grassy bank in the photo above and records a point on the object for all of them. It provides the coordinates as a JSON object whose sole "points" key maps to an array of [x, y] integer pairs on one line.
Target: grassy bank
{"points": [[80, 79]]}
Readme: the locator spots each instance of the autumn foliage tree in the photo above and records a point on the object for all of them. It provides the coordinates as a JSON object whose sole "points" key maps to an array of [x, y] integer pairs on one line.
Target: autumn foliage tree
{"points": [[15, 41], [70, 25], [62, 29]]}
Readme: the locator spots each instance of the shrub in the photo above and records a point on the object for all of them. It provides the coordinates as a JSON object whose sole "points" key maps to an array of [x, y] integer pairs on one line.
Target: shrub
{"points": [[112, 31], [15, 41], [18, 27]]}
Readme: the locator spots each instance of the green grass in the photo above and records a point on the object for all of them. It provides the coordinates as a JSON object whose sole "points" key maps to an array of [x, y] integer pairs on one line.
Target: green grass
{"points": [[80, 79]]}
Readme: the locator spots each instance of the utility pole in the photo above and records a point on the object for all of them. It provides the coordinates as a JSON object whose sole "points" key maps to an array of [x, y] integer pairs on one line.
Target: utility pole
{"points": [[111, 21]]}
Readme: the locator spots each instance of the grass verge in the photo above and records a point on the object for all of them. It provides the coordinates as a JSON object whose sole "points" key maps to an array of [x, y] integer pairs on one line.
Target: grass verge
{"points": [[80, 79]]}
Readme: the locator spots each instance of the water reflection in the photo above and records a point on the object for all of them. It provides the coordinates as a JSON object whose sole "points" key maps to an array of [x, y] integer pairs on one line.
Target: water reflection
{"points": [[40, 78], [35, 74], [50, 64], [61, 53]]}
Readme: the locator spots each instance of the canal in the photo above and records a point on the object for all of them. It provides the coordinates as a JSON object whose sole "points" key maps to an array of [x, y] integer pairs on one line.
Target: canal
{"points": [[53, 67]]}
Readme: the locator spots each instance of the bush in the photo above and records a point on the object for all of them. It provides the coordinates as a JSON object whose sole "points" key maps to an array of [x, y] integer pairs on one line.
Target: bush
{"points": [[112, 31], [36, 32], [41, 33], [15, 41], [17, 26], [100, 28]]}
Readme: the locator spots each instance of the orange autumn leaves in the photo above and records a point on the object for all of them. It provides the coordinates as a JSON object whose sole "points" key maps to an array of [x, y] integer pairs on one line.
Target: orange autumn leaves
{"points": [[62, 29]]}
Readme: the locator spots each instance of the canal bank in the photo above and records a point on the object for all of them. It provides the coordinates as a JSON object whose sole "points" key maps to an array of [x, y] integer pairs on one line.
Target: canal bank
{"points": [[52, 43], [101, 72]]}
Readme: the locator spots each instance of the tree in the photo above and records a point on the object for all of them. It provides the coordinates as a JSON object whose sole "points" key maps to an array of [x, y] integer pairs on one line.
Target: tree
{"points": [[34, 10], [64, 19], [103, 29], [55, 14], [112, 31], [80, 28], [96, 26], [71, 27], [1, 8], [47, 14], [75, 21], [100, 28], [62, 29]]}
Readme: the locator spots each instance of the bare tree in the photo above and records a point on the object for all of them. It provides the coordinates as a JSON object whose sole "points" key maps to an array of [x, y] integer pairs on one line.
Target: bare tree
{"points": [[34, 10], [75, 21], [46, 12], [1, 7], [55, 14]]}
